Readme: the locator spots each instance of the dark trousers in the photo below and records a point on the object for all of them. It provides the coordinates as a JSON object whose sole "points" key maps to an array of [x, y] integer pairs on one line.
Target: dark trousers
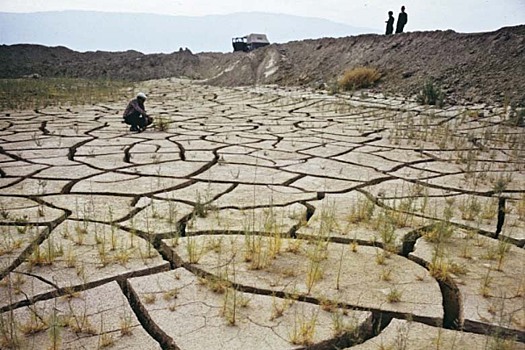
{"points": [[135, 119]]}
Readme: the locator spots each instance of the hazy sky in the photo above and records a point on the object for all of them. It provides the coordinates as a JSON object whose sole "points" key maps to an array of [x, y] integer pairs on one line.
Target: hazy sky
{"points": [[459, 15]]}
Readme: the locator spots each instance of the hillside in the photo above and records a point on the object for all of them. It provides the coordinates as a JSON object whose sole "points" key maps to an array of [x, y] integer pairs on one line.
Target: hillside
{"points": [[479, 67]]}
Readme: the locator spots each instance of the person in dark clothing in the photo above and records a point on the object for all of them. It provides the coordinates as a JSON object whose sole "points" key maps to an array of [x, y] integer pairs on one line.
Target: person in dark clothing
{"points": [[390, 23], [402, 20], [135, 114]]}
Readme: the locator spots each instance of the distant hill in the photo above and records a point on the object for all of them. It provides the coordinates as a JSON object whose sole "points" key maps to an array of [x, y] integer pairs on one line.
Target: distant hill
{"points": [[148, 33]]}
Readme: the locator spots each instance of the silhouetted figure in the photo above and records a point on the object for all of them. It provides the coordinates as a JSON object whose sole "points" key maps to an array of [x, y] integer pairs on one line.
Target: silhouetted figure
{"points": [[390, 23], [401, 20]]}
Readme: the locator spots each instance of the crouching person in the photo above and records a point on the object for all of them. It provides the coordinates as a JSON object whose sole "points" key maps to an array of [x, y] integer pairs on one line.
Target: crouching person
{"points": [[135, 114]]}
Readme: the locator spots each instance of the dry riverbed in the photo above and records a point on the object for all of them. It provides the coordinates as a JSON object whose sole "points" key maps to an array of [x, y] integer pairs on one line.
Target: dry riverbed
{"points": [[262, 218]]}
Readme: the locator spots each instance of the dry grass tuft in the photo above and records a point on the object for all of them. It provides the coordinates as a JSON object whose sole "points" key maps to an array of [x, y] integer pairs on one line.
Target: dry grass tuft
{"points": [[357, 78]]}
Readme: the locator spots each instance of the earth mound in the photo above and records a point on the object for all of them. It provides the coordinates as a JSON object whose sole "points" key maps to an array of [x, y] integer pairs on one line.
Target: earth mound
{"points": [[475, 67]]}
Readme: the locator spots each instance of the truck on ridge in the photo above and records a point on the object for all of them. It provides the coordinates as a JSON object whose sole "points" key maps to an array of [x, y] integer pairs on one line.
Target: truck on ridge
{"points": [[249, 42]]}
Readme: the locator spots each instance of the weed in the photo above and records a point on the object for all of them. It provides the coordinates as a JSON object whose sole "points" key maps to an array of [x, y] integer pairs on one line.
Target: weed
{"points": [[45, 256], [9, 337], [172, 212], [35, 324], [386, 274], [162, 123], [200, 208], [354, 245], [194, 251], [54, 331], [501, 184], [215, 284], [340, 327], [79, 323], [362, 211], [104, 258], [517, 117], [328, 305], [386, 228], [289, 272], [150, 298], [466, 250], [401, 341], [229, 307], [498, 342], [381, 256], [358, 78], [485, 284], [394, 295], [215, 245], [439, 232], [256, 252], [243, 301], [328, 221], [106, 340], [170, 294], [441, 268], [340, 267], [126, 324], [279, 308], [490, 210], [314, 272], [470, 208], [122, 256], [294, 246], [71, 258], [502, 250], [431, 94], [303, 331], [80, 270], [4, 214], [332, 87]]}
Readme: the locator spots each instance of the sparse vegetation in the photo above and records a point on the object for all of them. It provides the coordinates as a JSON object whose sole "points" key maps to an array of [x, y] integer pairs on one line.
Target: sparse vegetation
{"points": [[39, 93]]}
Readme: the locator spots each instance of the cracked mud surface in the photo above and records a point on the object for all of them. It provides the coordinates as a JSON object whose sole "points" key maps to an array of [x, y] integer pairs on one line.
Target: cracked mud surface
{"points": [[261, 218]]}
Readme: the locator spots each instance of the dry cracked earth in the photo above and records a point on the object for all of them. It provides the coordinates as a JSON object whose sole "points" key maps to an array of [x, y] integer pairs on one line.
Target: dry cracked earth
{"points": [[262, 218]]}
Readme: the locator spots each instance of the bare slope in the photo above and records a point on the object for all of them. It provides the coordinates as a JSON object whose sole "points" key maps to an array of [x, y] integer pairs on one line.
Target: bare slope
{"points": [[479, 67]]}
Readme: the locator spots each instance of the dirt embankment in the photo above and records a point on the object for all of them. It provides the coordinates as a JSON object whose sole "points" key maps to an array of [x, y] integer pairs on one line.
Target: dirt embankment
{"points": [[479, 67]]}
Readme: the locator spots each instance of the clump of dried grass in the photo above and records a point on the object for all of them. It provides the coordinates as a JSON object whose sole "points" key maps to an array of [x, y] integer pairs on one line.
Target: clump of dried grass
{"points": [[357, 78]]}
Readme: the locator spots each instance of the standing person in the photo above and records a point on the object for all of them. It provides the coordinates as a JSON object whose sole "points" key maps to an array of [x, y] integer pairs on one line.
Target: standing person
{"points": [[135, 114], [402, 20], [390, 23]]}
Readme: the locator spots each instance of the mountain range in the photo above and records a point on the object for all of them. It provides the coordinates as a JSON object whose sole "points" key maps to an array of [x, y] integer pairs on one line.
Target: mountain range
{"points": [[149, 33]]}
